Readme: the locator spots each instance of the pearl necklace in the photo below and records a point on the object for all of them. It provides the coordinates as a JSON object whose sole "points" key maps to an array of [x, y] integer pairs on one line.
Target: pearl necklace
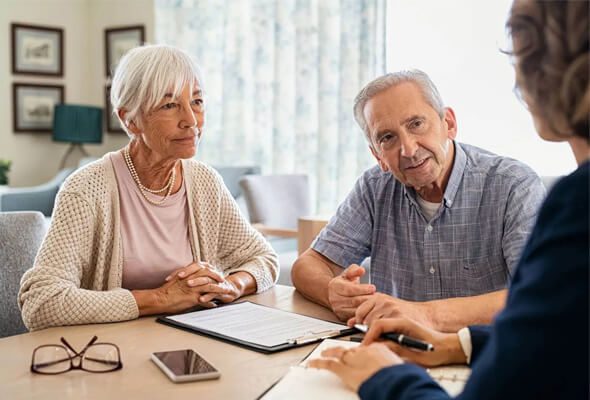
{"points": [[168, 188]]}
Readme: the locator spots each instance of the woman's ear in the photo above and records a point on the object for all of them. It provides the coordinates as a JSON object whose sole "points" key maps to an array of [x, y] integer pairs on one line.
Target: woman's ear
{"points": [[129, 124]]}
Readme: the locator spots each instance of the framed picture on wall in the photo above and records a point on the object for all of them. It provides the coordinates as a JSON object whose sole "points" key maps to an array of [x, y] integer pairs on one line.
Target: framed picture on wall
{"points": [[33, 106], [119, 41], [37, 50], [113, 124]]}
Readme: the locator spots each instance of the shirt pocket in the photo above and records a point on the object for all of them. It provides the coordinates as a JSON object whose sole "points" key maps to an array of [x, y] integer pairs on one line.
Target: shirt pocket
{"points": [[482, 274]]}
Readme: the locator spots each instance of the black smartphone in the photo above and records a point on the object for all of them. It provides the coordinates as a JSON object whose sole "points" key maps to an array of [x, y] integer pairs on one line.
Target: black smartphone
{"points": [[184, 365]]}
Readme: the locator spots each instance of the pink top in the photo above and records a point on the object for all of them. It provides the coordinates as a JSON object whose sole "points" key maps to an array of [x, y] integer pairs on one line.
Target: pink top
{"points": [[155, 238]]}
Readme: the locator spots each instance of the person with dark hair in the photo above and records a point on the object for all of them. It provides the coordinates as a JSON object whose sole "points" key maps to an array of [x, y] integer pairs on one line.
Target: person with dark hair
{"points": [[537, 347]]}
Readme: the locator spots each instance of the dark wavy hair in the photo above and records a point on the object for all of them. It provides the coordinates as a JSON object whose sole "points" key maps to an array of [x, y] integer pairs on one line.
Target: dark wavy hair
{"points": [[552, 60]]}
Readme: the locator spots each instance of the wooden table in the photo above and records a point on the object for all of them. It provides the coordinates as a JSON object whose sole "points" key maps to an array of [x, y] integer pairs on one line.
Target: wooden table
{"points": [[245, 374]]}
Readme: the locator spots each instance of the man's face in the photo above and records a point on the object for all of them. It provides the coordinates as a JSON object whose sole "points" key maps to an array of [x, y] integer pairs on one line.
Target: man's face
{"points": [[408, 137]]}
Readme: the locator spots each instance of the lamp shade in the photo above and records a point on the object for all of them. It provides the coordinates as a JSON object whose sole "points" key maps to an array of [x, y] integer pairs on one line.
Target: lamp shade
{"points": [[77, 124]]}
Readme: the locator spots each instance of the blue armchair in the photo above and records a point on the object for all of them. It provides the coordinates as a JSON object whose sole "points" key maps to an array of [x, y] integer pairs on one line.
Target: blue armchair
{"points": [[34, 198]]}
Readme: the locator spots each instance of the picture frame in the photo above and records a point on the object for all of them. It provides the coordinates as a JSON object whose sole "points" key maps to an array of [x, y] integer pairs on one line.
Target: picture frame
{"points": [[112, 122], [33, 106], [37, 50], [119, 41]]}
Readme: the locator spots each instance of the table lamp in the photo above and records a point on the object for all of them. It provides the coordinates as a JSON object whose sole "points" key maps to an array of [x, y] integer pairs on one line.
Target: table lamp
{"points": [[76, 124]]}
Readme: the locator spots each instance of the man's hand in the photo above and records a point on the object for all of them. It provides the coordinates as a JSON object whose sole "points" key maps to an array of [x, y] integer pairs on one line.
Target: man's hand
{"points": [[355, 366], [447, 348], [346, 293], [381, 305]]}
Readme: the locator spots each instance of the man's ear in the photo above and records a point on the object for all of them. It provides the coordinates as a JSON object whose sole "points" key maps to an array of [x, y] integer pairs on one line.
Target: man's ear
{"points": [[382, 165], [130, 125], [451, 123]]}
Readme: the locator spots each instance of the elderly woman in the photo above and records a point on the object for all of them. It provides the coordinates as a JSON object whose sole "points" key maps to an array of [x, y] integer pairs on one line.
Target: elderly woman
{"points": [[147, 229], [538, 346]]}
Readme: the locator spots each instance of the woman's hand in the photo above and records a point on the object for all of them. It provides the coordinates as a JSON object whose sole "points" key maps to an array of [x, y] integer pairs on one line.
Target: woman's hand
{"points": [[214, 286], [354, 366], [182, 290], [447, 348], [196, 270]]}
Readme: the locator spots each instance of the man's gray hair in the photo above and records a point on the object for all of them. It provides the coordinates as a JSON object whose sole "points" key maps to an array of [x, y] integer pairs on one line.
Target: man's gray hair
{"points": [[146, 74], [429, 91]]}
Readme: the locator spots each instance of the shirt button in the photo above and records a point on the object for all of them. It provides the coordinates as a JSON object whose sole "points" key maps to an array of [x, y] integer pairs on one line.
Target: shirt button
{"points": [[432, 270], [429, 228]]}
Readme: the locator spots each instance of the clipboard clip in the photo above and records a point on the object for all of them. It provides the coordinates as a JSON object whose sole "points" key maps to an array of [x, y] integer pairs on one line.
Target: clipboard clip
{"points": [[312, 337]]}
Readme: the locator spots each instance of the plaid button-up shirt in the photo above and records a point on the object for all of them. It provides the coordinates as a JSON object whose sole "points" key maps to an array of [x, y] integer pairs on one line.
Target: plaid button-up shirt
{"points": [[471, 246]]}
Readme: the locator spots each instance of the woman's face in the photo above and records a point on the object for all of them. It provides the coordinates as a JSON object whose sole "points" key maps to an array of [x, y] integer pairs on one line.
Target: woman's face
{"points": [[173, 128]]}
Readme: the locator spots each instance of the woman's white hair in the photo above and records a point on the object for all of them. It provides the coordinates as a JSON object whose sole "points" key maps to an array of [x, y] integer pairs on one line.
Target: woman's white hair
{"points": [[419, 78], [146, 74]]}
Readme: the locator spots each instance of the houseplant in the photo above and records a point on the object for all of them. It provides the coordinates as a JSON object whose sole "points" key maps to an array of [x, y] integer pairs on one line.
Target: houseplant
{"points": [[4, 169]]}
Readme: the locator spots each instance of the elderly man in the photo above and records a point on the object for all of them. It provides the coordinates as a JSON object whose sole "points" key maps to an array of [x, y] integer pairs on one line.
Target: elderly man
{"points": [[443, 222]]}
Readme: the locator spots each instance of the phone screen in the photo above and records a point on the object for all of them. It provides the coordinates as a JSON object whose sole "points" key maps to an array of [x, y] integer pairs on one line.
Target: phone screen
{"points": [[184, 362]]}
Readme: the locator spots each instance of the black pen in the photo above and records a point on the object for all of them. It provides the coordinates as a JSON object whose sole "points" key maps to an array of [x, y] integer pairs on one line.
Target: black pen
{"points": [[402, 339]]}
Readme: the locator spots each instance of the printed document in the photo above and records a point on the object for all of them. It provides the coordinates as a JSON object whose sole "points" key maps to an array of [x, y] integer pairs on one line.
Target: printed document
{"points": [[253, 323]]}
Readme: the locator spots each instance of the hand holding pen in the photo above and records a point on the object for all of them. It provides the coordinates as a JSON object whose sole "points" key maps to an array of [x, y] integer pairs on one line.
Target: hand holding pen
{"points": [[400, 338], [436, 348]]}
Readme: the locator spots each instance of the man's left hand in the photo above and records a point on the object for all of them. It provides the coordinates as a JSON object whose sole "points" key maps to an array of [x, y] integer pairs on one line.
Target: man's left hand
{"points": [[381, 305]]}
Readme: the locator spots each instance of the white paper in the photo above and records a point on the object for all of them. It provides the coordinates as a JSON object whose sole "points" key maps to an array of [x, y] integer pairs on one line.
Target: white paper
{"points": [[313, 384], [257, 324], [451, 378]]}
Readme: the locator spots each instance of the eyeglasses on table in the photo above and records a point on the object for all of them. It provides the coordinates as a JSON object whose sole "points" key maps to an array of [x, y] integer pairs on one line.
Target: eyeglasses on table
{"points": [[51, 359]]}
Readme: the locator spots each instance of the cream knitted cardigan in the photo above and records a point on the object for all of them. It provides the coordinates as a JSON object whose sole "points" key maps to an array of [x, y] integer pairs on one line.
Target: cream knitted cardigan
{"points": [[76, 278]]}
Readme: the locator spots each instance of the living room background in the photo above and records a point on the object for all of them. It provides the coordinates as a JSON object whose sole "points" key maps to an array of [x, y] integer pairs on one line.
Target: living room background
{"points": [[459, 60]]}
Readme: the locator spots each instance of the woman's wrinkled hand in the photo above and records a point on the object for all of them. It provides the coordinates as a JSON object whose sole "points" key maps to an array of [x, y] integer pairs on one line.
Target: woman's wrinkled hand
{"points": [[211, 284], [196, 270], [185, 287]]}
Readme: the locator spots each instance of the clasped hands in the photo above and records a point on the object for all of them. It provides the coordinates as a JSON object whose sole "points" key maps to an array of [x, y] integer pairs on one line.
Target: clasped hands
{"points": [[360, 303], [199, 284]]}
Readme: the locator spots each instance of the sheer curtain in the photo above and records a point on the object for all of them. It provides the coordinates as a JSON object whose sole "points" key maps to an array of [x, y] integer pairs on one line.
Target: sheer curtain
{"points": [[280, 78]]}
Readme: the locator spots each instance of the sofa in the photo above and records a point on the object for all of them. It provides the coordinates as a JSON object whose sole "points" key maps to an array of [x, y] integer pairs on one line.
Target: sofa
{"points": [[21, 234]]}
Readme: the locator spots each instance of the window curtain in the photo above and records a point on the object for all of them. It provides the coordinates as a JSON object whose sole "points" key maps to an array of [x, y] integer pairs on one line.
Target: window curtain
{"points": [[280, 77]]}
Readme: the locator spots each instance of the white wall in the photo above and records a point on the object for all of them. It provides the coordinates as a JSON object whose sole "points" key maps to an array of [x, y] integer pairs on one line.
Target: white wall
{"points": [[457, 43], [36, 157]]}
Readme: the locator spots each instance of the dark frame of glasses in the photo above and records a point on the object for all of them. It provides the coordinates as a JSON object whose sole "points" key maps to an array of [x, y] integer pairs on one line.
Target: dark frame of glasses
{"points": [[116, 365]]}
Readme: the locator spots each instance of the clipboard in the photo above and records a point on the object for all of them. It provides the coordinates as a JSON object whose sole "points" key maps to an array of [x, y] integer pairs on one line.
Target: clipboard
{"points": [[196, 322]]}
